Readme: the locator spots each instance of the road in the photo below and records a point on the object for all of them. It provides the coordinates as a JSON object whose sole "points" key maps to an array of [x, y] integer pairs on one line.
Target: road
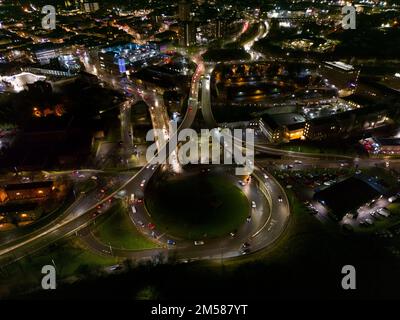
{"points": [[268, 220], [267, 223]]}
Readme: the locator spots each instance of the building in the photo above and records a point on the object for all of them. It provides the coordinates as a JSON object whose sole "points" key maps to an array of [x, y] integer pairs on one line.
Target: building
{"points": [[345, 124], [24, 191], [347, 196], [90, 6], [20, 82], [282, 127], [184, 11], [188, 34], [110, 62], [44, 53], [122, 58], [343, 76]]}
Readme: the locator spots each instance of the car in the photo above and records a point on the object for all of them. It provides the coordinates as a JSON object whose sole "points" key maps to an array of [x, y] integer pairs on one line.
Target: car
{"points": [[280, 199], [242, 183], [171, 242], [245, 245], [139, 200], [298, 161], [253, 204], [245, 251], [140, 223], [248, 219], [142, 183], [383, 212], [265, 176], [115, 267], [369, 221], [199, 243], [233, 233], [151, 226]]}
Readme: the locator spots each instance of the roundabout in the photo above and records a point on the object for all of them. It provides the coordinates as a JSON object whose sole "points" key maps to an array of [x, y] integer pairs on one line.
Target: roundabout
{"points": [[259, 230], [201, 203]]}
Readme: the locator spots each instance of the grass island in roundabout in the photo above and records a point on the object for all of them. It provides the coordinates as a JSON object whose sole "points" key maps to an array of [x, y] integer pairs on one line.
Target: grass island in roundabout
{"points": [[198, 204]]}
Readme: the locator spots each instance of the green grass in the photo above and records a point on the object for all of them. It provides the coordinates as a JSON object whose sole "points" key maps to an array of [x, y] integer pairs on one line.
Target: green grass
{"points": [[196, 207], [117, 229], [394, 208], [310, 148], [71, 258]]}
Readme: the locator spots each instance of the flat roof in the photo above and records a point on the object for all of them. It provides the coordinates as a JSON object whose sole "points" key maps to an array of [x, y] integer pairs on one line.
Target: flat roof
{"points": [[29, 185], [340, 65], [290, 120], [346, 195]]}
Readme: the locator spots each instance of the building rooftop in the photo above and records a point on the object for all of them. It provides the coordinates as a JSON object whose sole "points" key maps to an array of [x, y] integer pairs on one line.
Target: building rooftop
{"points": [[346, 195], [28, 185], [289, 120]]}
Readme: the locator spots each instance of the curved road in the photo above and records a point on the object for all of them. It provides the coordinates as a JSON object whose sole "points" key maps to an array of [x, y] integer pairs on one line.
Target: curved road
{"points": [[267, 223]]}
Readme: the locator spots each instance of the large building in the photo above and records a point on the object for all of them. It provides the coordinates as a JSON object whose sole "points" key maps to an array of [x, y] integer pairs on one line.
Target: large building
{"points": [[20, 82], [44, 53], [90, 6], [343, 76], [123, 58], [184, 10], [345, 124], [282, 127], [188, 34], [24, 191], [347, 196]]}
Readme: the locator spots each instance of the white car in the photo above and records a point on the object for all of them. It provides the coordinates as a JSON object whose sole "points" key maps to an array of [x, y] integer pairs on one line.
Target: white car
{"points": [[280, 199], [383, 212], [142, 183], [369, 221], [199, 243], [140, 223], [253, 204]]}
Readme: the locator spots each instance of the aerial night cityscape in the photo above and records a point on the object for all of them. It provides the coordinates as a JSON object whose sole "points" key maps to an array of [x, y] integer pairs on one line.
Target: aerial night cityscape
{"points": [[223, 150]]}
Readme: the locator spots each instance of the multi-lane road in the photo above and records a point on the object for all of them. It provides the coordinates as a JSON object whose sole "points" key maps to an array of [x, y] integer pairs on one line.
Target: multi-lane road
{"points": [[268, 219]]}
